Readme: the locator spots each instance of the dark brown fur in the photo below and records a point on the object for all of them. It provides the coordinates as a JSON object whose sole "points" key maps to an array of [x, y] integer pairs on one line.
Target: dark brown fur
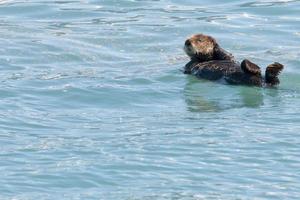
{"points": [[210, 61]]}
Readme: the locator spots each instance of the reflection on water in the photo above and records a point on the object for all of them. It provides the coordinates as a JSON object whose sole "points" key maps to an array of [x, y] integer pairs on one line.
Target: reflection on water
{"points": [[196, 99], [199, 98], [251, 97]]}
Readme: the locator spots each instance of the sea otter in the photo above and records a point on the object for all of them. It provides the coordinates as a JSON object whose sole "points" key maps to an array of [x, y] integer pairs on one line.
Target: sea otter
{"points": [[210, 61]]}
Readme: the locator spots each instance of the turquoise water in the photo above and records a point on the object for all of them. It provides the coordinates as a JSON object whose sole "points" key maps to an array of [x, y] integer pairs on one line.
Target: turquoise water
{"points": [[94, 105]]}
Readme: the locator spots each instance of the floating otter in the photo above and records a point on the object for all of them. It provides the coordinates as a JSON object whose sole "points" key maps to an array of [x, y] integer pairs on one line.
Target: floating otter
{"points": [[210, 61]]}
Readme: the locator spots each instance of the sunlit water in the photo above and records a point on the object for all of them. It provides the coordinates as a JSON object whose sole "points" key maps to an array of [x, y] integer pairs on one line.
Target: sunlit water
{"points": [[94, 105]]}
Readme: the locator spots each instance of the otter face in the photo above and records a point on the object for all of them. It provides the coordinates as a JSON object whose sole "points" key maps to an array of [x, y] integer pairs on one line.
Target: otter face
{"points": [[200, 47]]}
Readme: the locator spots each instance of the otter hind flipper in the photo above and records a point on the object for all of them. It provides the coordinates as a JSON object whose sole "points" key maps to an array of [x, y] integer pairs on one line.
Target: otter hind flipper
{"points": [[250, 67], [272, 72]]}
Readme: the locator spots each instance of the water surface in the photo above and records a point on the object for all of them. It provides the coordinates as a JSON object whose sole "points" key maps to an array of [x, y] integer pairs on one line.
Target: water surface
{"points": [[93, 104]]}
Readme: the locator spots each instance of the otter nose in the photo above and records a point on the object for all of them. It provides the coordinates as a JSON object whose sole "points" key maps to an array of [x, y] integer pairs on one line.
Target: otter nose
{"points": [[187, 42]]}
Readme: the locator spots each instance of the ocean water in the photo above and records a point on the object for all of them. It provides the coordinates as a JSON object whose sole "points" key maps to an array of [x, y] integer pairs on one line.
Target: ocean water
{"points": [[93, 104]]}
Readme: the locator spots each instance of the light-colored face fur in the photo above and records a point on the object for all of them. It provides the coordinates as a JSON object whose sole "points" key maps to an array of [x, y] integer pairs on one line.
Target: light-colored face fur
{"points": [[200, 46]]}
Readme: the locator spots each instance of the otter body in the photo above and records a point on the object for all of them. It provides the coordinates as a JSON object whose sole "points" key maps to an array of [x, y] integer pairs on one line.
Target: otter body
{"points": [[231, 72], [210, 61]]}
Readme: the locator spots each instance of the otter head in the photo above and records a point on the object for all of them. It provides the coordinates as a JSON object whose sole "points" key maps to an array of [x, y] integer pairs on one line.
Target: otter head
{"points": [[200, 47]]}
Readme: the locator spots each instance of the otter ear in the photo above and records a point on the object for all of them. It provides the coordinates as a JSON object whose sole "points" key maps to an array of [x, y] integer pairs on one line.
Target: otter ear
{"points": [[249, 67]]}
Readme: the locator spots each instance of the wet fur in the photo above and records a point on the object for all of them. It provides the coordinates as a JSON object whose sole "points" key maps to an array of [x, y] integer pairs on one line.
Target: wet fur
{"points": [[210, 61]]}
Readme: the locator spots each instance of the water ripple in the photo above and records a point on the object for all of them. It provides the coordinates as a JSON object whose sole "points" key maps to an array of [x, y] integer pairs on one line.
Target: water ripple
{"points": [[94, 105]]}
